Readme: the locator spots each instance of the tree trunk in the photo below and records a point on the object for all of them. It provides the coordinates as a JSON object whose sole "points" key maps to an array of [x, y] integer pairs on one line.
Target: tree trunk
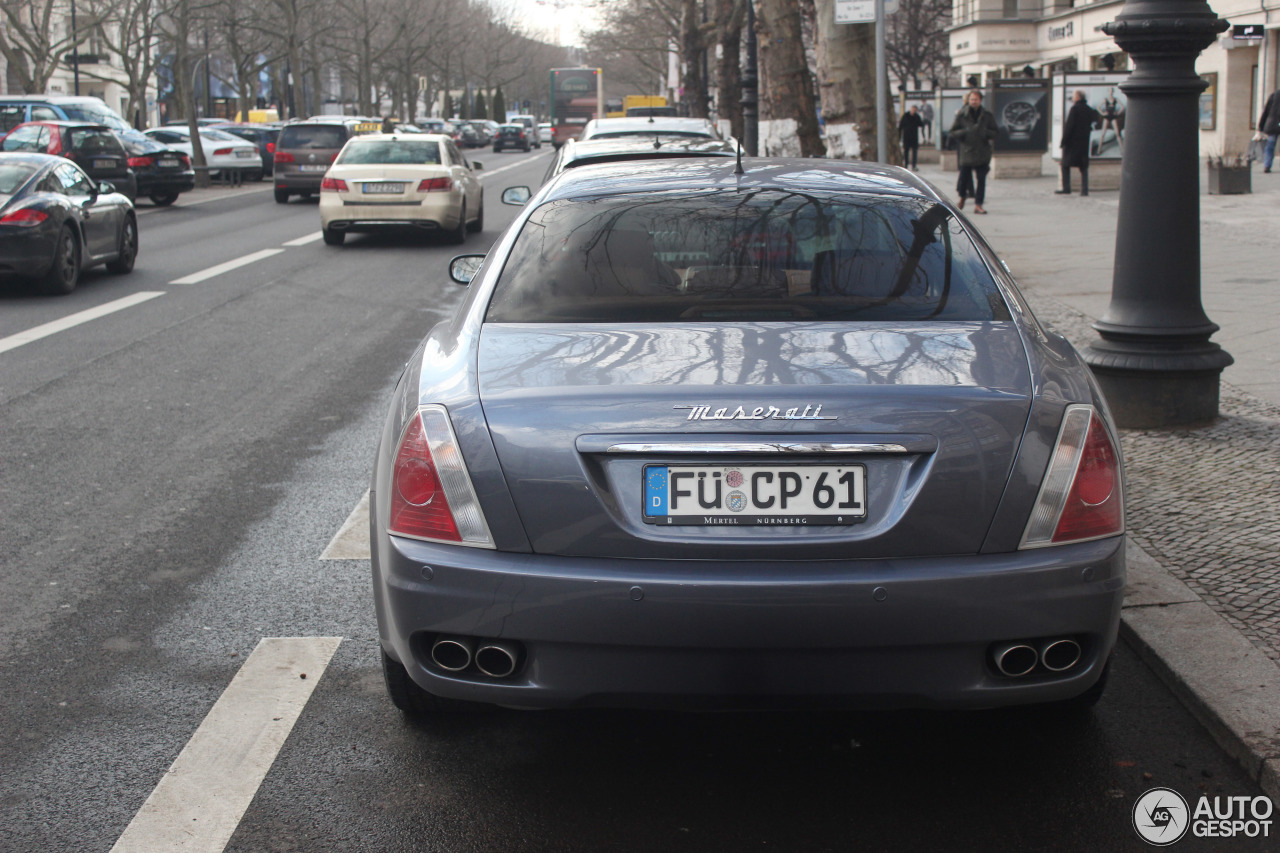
{"points": [[692, 45], [729, 14], [789, 120], [847, 81]]}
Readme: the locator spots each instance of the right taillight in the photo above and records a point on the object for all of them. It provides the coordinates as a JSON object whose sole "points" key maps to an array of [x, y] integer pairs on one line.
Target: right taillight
{"points": [[333, 185], [24, 217], [427, 185], [283, 157], [141, 162], [1082, 495], [431, 493]]}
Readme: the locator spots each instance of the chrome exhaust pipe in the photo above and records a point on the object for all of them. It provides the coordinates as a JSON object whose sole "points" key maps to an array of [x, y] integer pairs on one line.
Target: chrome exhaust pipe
{"points": [[452, 653], [1059, 655], [497, 659], [1015, 659]]}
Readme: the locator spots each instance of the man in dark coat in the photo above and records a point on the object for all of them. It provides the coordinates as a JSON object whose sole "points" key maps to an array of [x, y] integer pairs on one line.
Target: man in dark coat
{"points": [[975, 132], [1269, 126], [1076, 133], [909, 128]]}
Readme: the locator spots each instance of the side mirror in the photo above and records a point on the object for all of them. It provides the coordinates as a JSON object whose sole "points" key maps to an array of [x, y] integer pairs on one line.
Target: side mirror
{"points": [[463, 268], [516, 195], [106, 187], [475, 167]]}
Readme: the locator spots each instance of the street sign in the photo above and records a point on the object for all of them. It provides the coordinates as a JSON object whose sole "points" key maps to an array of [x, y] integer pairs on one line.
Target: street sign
{"points": [[855, 11]]}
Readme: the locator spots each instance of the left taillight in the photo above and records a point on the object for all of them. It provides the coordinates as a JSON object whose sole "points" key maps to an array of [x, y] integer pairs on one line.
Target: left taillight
{"points": [[26, 217], [141, 162], [336, 185], [431, 493], [1082, 495]]}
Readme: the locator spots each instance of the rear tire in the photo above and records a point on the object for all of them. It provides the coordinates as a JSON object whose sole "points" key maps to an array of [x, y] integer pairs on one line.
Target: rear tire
{"points": [[478, 226], [411, 699], [458, 236], [333, 237], [282, 196], [163, 199], [65, 272], [127, 252]]}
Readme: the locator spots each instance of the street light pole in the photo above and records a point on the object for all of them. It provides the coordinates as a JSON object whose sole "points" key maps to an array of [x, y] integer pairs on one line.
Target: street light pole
{"points": [[1155, 362], [75, 49]]}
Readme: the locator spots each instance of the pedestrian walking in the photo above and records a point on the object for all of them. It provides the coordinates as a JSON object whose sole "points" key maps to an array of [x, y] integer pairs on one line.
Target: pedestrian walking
{"points": [[926, 116], [1269, 128], [1077, 131], [909, 128], [974, 130]]}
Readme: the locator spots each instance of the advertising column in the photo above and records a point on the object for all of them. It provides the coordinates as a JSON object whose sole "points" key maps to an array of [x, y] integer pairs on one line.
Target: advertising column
{"points": [[1021, 108]]}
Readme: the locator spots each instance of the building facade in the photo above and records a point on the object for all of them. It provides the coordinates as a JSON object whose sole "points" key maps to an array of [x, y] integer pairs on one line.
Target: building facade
{"points": [[992, 39]]}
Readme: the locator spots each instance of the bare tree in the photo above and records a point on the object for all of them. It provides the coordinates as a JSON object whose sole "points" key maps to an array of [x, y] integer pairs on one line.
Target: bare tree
{"points": [[29, 44], [730, 16], [129, 31], [634, 42], [788, 112], [916, 43]]}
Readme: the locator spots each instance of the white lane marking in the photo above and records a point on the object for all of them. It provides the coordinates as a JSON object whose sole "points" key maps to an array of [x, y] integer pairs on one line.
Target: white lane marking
{"points": [[201, 799], [524, 161], [197, 277], [43, 331], [352, 539], [302, 241]]}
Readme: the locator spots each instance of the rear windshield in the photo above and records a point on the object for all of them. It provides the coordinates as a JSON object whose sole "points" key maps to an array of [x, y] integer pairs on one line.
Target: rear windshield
{"points": [[318, 136], [14, 175], [95, 142], [94, 113], [408, 151], [751, 256]]}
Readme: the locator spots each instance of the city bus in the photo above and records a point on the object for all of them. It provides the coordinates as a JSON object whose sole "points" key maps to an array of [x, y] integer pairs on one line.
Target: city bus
{"points": [[577, 97]]}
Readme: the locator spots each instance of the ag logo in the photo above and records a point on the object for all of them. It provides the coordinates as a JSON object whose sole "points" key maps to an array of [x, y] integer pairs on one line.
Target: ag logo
{"points": [[1161, 817]]}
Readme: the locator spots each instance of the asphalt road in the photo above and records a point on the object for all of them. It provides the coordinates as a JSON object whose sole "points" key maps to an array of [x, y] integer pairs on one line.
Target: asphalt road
{"points": [[170, 474]]}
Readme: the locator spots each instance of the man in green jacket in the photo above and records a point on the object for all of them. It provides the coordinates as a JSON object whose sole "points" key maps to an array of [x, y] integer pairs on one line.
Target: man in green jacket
{"points": [[974, 131]]}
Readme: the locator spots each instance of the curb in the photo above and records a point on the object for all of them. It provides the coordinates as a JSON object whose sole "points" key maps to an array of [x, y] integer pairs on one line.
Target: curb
{"points": [[1230, 686]]}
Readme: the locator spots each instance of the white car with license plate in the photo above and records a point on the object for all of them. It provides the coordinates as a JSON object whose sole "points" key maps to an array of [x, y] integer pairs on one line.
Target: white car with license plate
{"points": [[385, 180], [222, 150]]}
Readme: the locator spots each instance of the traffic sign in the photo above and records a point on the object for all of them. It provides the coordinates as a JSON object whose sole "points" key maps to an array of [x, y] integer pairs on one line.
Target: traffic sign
{"points": [[855, 11]]}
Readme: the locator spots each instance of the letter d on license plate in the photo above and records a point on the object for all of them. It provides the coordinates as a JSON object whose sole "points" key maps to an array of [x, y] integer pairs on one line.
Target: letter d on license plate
{"points": [[755, 495]]}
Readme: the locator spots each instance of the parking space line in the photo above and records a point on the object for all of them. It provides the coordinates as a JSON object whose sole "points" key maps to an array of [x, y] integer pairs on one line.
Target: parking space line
{"points": [[43, 331], [201, 799], [351, 542], [302, 241], [196, 278]]}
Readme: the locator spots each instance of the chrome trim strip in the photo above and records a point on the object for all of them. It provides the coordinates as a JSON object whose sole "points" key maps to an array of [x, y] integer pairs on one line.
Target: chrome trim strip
{"points": [[757, 447]]}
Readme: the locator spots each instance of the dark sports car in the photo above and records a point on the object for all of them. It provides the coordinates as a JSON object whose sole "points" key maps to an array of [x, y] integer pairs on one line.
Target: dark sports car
{"points": [[705, 438], [55, 221]]}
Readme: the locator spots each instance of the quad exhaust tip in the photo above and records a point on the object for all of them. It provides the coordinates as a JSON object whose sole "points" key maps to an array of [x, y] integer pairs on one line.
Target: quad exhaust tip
{"points": [[497, 659], [452, 653], [1059, 655], [1018, 659], [1015, 659]]}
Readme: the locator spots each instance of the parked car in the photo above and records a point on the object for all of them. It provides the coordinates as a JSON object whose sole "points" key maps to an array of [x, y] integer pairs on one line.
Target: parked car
{"points": [[261, 135], [20, 109], [436, 125], [95, 147], [162, 173], [573, 153], [512, 136], [306, 149], [56, 221], [389, 180], [530, 128], [222, 151], [702, 438]]}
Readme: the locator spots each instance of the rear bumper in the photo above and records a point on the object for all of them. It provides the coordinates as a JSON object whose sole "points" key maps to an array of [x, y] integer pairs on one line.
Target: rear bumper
{"points": [[25, 251], [438, 211], [865, 633], [297, 182]]}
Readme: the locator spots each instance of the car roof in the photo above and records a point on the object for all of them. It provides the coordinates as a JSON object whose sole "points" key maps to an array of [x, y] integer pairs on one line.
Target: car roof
{"points": [[702, 173], [32, 157], [53, 99], [416, 137], [579, 153], [642, 124]]}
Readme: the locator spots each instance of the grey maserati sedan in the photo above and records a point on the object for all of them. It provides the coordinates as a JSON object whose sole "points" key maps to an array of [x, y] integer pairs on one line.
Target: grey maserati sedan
{"points": [[700, 437]]}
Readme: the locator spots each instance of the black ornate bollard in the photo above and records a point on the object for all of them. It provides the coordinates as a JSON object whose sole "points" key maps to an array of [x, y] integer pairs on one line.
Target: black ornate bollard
{"points": [[1155, 361]]}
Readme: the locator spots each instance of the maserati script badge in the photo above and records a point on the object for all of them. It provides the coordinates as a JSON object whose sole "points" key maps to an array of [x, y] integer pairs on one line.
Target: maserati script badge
{"points": [[759, 413]]}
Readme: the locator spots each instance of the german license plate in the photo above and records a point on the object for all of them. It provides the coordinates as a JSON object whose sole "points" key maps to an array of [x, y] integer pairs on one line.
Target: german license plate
{"points": [[104, 164], [313, 168], [755, 495], [384, 188], [245, 152], [168, 164]]}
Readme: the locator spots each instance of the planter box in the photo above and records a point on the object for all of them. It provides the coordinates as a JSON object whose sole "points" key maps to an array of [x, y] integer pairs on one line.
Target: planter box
{"points": [[1230, 180]]}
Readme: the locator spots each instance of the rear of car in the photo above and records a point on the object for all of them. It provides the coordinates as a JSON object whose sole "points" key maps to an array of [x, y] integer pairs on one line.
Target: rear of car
{"points": [[306, 149], [530, 128], [511, 136], [389, 180], [263, 136], [700, 439], [162, 173]]}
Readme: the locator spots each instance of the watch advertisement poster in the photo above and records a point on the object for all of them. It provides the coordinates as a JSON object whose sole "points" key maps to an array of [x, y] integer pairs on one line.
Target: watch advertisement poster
{"points": [[1102, 92], [1021, 108]]}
